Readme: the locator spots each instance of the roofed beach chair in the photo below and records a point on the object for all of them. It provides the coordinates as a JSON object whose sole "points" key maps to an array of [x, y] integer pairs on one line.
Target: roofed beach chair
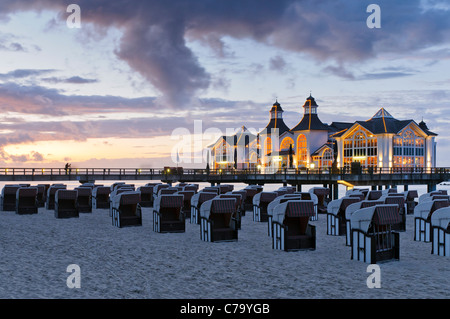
{"points": [[146, 195], [168, 216], [271, 206], [243, 196], [191, 187], [216, 220], [100, 197], [411, 203], [400, 202], [349, 212], [212, 189], [440, 228], [238, 212], [291, 228], [50, 201], [427, 196], [322, 194], [66, 203], [260, 202], [157, 188], [8, 198], [422, 217], [26, 200], [373, 239], [187, 196], [84, 199], [125, 209], [251, 191], [336, 225], [116, 192], [225, 188], [168, 191], [314, 198], [40, 196], [196, 201]]}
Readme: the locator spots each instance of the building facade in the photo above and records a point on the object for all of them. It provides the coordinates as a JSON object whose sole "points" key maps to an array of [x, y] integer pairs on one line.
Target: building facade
{"points": [[380, 142]]}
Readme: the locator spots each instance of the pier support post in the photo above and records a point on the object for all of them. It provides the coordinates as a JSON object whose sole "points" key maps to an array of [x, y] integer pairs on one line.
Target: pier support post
{"points": [[405, 187], [431, 187], [299, 187], [335, 190], [374, 187]]}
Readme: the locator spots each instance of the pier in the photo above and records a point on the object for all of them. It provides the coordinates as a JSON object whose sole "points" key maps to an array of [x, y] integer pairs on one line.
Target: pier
{"points": [[375, 178]]}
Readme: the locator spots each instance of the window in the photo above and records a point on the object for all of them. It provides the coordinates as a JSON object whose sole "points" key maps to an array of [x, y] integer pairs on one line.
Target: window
{"points": [[409, 150], [361, 147], [302, 151], [268, 146]]}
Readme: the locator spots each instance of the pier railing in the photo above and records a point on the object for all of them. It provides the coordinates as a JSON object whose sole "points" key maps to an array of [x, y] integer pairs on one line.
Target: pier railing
{"points": [[195, 171]]}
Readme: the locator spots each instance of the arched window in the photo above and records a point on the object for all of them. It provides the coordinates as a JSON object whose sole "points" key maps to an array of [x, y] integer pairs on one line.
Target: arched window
{"points": [[409, 150], [361, 147], [302, 151], [286, 143]]}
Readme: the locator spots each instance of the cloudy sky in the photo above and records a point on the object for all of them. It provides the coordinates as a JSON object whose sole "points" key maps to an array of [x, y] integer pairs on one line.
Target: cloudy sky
{"points": [[140, 79]]}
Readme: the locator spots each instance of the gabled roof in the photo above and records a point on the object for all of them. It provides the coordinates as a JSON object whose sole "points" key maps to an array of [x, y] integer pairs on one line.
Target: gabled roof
{"points": [[328, 144], [310, 122], [383, 122], [237, 138]]}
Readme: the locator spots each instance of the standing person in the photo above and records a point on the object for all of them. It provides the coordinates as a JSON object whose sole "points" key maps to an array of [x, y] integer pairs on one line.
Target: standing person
{"points": [[66, 168]]}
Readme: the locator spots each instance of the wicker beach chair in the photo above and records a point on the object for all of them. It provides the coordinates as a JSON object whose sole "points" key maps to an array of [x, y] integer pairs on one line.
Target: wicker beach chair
{"points": [[50, 200], [84, 199], [410, 198], [125, 209], [146, 195], [26, 200], [157, 188], [291, 228], [251, 191], [66, 203], [322, 194], [216, 220], [271, 206], [187, 196], [374, 195], [373, 239], [400, 202], [336, 225], [8, 197], [100, 197], [169, 191], [243, 197], [40, 196], [238, 209], [196, 201], [422, 218], [260, 202], [440, 228], [168, 216], [349, 212]]}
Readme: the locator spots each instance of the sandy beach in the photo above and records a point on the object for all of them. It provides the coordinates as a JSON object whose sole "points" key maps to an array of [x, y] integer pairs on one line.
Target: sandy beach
{"points": [[136, 262]]}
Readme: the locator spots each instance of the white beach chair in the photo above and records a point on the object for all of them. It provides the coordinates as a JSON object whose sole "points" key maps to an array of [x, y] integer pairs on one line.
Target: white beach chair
{"points": [[271, 206], [422, 217], [373, 239], [216, 220], [125, 209], [260, 202], [336, 225], [440, 228], [168, 216], [349, 212], [196, 201], [100, 197], [291, 228], [66, 203]]}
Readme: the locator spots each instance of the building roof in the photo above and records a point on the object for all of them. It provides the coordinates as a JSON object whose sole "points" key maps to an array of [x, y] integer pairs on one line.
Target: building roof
{"points": [[275, 123], [310, 121], [237, 138], [383, 122]]}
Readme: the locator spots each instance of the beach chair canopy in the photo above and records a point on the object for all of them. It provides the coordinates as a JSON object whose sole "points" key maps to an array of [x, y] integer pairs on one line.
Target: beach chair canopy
{"points": [[385, 214], [218, 206], [293, 208], [441, 218], [264, 197]]}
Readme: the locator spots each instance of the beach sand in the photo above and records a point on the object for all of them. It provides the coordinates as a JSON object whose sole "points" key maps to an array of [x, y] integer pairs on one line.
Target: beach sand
{"points": [[136, 262]]}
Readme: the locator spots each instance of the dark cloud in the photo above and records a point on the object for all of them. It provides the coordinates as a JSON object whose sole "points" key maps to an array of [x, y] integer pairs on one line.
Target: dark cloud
{"points": [[277, 63], [71, 80], [156, 32], [23, 73]]}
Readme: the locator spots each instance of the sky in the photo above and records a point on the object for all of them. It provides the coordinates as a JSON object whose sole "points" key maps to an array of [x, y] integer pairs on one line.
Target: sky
{"points": [[140, 81]]}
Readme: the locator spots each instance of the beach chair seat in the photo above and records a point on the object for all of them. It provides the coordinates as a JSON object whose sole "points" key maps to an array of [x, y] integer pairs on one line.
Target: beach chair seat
{"points": [[84, 199], [50, 198], [216, 220], [260, 202], [349, 212], [168, 216], [26, 200], [336, 224], [125, 209], [440, 228], [422, 218], [291, 228], [196, 201], [187, 196], [146, 193], [373, 239], [100, 197], [66, 203], [8, 197]]}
